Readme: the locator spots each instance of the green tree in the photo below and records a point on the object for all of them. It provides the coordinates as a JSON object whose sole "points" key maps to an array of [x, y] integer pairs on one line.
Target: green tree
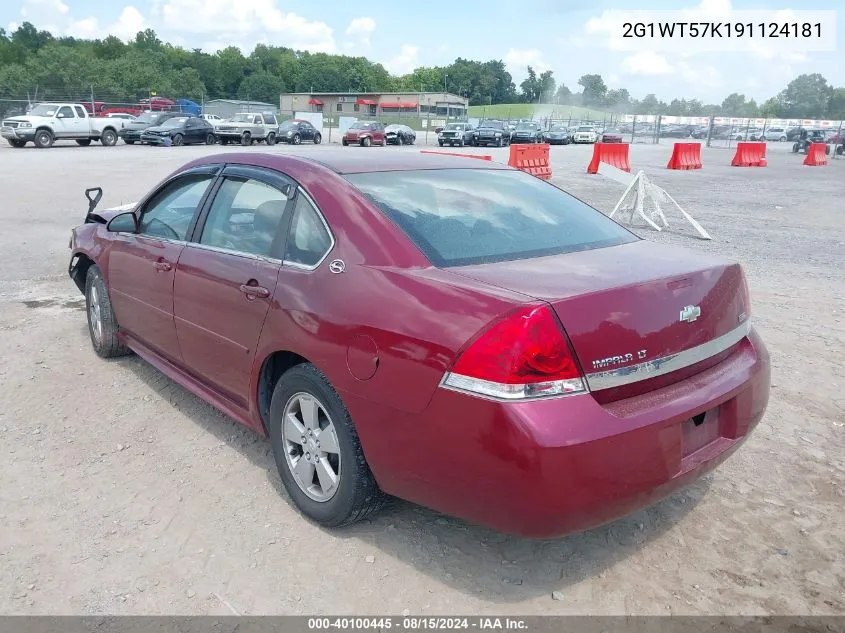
{"points": [[595, 90], [806, 96], [261, 86]]}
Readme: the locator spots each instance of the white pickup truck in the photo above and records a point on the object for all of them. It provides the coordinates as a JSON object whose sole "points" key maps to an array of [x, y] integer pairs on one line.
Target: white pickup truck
{"points": [[50, 122]]}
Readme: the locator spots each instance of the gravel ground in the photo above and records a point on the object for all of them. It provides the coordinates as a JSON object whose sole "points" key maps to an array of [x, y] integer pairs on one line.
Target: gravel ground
{"points": [[124, 494]]}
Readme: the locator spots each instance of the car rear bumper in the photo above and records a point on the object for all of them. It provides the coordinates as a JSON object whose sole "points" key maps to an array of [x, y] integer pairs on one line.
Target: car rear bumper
{"points": [[551, 467]]}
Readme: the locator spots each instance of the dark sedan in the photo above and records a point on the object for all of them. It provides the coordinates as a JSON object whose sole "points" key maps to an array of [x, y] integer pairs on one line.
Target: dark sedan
{"points": [[398, 134], [132, 130], [183, 130], [527, 132], [450, 331], [559, 135]]}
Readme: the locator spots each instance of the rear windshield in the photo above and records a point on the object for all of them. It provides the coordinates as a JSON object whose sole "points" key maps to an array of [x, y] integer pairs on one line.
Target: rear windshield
{"points": [[459, 217]]}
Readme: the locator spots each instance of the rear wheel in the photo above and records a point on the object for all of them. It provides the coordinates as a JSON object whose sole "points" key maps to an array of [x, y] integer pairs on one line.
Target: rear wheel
{"points": [[102, 324], [83, 142], [43, 139], [795, 148], [271, 139], [210, 139], [128, 142], [318, 138], [317, 450], [108, 138], [224, 141]]}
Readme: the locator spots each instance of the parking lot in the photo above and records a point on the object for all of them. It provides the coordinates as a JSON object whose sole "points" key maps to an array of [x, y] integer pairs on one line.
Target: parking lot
{"points": [[123, 493]]}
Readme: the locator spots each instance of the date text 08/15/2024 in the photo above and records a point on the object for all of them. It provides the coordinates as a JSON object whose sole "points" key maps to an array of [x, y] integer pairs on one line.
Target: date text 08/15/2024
{"points": [[411, 623]]}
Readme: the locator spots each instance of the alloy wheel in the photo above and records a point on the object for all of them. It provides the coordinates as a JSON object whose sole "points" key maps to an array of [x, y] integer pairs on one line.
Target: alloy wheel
{"points": [[95, 315], [312, 451]]}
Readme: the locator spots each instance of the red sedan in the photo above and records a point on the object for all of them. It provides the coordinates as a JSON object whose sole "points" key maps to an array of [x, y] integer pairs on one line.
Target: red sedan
{"points": [[450, 331], [611, 136]]}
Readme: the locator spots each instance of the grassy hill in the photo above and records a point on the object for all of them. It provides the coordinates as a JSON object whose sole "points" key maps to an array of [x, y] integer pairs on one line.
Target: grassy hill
{"points": [[535, 110]]}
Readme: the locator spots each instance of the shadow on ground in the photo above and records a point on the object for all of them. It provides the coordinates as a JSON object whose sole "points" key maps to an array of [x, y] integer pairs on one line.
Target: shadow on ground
{"points": [[471, 559]]}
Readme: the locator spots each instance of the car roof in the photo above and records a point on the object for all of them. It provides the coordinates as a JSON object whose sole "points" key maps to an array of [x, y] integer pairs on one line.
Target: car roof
{"points": [[346, 162]]}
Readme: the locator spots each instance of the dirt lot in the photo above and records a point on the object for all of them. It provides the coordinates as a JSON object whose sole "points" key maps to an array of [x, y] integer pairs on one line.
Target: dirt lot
{"points": [[122, 493]]}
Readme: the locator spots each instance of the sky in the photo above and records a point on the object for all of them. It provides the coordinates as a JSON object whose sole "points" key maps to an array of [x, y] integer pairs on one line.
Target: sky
{"points": [[570, 37]]}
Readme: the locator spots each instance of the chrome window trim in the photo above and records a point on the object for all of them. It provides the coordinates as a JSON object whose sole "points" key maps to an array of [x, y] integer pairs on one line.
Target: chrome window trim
{"points": [[230, 251], [304, 267], [621, 376]]}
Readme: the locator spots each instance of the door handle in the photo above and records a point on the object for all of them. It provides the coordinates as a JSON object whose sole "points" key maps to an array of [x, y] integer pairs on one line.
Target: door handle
{"points": [[253, 292], [162, 266]]}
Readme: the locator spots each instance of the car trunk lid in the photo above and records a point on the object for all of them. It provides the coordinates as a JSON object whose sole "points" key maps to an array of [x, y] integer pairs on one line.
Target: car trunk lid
{"points": [[632, 310]]}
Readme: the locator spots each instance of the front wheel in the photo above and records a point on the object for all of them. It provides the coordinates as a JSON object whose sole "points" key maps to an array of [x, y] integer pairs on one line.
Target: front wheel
{"points": [[366, 141], [108, 138], [17, 143], [83, 142], [271, 139], [102, 324], [224, 141], [246, 139], [317, 451], [178, 140], [318, 138], [128, 142], [296, 140], [795, 148], [44, 139], [344, 142]]}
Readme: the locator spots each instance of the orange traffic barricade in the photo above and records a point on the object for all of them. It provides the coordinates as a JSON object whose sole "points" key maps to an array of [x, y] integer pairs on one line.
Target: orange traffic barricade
{"points": [[685, 156], [478, 156], [533, 159], [749, 154], [816, 155], [615, 154]]}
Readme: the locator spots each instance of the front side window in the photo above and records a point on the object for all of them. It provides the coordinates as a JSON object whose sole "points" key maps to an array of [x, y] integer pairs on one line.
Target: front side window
{"points": [[459, 217], [309, 240], [245, 216], [169, 213]]}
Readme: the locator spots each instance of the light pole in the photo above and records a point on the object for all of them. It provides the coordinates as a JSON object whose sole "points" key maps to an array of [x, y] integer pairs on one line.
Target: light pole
{"points": [[445, 77]]}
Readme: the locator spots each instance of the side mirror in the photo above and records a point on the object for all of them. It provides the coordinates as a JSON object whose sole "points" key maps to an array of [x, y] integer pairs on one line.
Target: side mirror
{"points": [[123, 223], [60, 116]]}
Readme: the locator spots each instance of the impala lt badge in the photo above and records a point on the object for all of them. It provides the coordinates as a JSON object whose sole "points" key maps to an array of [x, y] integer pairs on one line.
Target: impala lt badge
{"points": [[690, 313], [624, 359]]}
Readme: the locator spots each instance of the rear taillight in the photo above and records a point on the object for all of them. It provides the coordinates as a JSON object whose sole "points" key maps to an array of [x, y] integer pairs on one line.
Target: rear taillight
{"points": [[525, 355]]}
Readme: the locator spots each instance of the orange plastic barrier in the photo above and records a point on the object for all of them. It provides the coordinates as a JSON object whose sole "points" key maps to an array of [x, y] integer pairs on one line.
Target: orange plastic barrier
{"points": [[478, 156], [749, 154], [816, 155], [615, 154], [533, 159], [685, 156]]}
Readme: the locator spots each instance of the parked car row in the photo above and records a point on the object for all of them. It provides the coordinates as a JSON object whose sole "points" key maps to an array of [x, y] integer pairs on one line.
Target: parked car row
{"points": [[499, 133]]}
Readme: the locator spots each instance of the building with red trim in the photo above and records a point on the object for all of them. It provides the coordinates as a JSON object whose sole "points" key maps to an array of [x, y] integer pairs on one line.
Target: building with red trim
{"points": [[375, 104]]}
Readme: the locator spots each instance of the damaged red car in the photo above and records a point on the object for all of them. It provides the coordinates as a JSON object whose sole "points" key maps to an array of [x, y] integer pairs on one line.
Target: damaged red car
{"points": [[453, 332]]}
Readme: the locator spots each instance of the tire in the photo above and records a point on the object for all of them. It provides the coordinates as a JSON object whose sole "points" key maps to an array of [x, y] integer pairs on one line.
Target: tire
{"points": [[102, 324], [399, 140], [344, 142], [499, 142], [356, 493], [44, 139], [128, 142], [827, 150], [318, 138], [224, 141], [296, 139], [108, 138], [210, 139], [271, 139], [440, 143], [83, 142], [366, 141], [178, 140], [16, 143], [461, 143], [795, 148], [246, 139], [782, 139]]}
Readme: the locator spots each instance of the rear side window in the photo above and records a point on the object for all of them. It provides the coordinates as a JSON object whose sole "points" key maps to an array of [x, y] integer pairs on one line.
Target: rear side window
{"points": [[309, 239], [459, 217]]}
